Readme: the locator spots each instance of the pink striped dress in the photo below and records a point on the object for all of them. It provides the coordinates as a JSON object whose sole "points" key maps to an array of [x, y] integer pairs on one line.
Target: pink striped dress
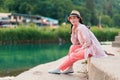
{"points": [[88, 41]]}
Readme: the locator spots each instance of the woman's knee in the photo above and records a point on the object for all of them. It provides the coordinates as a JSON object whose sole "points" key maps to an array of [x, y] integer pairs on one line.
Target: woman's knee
{"points": [[76, 56], [74, 46]]}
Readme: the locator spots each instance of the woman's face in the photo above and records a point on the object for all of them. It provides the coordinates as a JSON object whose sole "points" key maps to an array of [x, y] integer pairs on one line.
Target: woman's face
{"points": [[74, 20]]}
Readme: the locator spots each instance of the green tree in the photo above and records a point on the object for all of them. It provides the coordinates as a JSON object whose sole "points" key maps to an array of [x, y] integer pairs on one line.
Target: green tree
{"points": [[116, 6], [20, 6], [116, 19], [84, 14], [106, 21], [91, 10], [107, 7], [26, 8], [10, 5], [55, 8], [79, 2]]}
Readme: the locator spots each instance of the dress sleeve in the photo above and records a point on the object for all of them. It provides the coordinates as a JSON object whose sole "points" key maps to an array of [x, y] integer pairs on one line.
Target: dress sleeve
{"points": [[84, 37]]}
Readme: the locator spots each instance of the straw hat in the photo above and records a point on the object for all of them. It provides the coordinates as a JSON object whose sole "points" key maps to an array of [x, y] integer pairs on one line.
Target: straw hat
{"points": [[75, 13]]}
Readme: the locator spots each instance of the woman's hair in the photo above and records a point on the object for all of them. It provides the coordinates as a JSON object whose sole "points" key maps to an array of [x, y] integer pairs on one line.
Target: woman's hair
{"points": [[80, 20]]}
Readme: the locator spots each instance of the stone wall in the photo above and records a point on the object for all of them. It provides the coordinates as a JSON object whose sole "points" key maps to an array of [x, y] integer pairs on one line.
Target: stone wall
{"points": [[116, 43]]}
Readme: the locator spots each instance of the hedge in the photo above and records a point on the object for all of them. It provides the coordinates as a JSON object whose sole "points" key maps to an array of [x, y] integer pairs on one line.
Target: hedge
{"points": [[24, 34]]}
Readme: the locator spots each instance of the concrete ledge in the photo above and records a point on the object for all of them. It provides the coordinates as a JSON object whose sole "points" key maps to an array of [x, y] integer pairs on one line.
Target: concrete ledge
{"points": [[40, 72], [116, 44], [107, 68]]}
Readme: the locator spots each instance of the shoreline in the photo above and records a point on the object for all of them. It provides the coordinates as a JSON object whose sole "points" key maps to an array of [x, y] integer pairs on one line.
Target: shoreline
{"points": [[7, 78]]}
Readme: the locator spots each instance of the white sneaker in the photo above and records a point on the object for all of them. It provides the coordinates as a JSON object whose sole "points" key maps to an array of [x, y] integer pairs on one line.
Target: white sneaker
{"points": [[69, 70], [55, 71]]}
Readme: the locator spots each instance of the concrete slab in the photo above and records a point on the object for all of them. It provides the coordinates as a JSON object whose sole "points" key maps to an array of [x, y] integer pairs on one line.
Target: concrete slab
{"points": [[41, 72], [104, 68], [107, 68]]}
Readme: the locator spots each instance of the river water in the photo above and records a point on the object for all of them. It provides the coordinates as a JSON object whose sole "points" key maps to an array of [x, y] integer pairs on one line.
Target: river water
{"points": [[16, 58]]}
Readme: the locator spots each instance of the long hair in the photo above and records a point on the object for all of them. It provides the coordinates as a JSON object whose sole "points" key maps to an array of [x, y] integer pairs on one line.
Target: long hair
{"points": [[80, 21]]}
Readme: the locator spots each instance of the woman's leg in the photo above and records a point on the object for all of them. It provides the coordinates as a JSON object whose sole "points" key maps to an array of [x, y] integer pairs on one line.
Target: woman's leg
{"points": [[69, 61], [73, 57], [73, 48]]}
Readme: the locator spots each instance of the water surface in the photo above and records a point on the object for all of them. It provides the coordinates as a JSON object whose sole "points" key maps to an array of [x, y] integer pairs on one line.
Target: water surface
{"points": [[24, 56]]}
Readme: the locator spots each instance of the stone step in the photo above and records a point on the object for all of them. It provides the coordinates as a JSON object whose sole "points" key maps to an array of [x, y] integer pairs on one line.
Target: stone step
{"points": [[116, 44], [117, 38], [106, 68], [119, 34]]}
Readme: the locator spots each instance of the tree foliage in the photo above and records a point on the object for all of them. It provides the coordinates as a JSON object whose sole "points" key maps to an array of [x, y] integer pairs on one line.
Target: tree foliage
{"points": [[107, 21], [116, 19], [90, 9]]}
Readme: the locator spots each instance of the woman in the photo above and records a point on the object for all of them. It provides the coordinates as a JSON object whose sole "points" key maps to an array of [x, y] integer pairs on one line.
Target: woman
{"points": [[84, 45]]}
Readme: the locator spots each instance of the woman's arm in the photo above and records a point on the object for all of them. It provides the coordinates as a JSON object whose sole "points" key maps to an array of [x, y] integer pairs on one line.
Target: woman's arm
{"points": [[84, 37]]}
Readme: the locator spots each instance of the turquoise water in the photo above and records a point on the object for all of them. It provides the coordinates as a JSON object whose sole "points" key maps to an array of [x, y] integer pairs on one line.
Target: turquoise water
{"points": [[25, 56]]}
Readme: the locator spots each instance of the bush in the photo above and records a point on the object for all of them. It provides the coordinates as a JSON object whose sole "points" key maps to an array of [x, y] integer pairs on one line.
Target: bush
{"points": [[47, 34], [64, 32], [105, 34]]}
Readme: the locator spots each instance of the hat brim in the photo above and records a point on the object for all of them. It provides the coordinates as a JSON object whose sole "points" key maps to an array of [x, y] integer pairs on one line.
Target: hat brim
{"points": [[72, 16]]}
